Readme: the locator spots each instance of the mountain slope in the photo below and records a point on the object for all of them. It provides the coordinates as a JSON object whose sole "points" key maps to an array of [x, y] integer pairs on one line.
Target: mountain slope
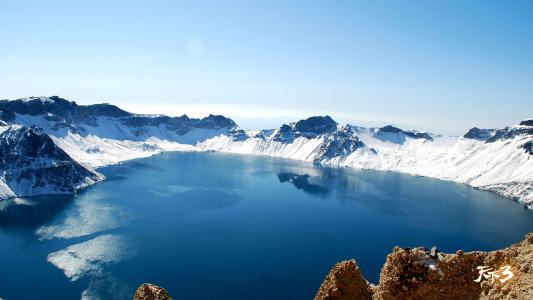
{"points": [[32, 164]]}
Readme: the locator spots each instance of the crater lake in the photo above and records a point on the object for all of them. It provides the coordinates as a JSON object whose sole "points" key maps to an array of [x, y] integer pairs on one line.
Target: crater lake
{"points": [[225, 226]]}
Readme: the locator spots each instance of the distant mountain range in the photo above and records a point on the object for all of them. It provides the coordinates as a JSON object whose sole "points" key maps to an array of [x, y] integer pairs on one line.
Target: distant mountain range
{"points": [[51, 145]]}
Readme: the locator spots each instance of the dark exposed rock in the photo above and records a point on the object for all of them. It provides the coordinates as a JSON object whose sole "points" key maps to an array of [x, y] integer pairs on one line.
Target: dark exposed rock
{"points": [[61, 108], [314, 126], [478, 134], [423, 135], [390, 128], [284, 134], [339, 144], [62, 113], [527, 122], [308, 128], [216, 122], [32, 164], [238, 135], [400, 134], [528, 147], [148, 291], [509, 133]]}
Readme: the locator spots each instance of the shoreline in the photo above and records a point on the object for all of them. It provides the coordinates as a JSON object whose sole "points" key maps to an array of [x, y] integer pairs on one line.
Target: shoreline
{"points": [[503, 193]]}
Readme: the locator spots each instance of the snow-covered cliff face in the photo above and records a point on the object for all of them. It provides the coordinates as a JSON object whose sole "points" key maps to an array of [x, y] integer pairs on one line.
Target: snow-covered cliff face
{"points": [[103, 134], [499, 160], [108, 121], [32, 164]]}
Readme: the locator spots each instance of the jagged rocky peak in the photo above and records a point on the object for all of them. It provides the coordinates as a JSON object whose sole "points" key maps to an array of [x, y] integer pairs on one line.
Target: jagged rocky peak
{"points": [[238, 134], [56, 106], [396, 135], [181, 124], [525, 129], [478, 134], [316, 125], [218, 121], [28, 142], [308, 128], [528, 122], [341, 143], [32, 164], [59, 115]]}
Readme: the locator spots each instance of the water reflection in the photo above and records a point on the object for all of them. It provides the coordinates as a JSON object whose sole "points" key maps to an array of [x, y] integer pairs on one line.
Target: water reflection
{"points": [[30, 213], [191, 200], [90, 214], [89, 226], [301, 182], [90, 257], [107, 287]]}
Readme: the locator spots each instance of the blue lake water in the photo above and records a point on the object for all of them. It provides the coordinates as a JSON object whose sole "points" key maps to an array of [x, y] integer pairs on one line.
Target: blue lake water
{"points": [[222, 226]]}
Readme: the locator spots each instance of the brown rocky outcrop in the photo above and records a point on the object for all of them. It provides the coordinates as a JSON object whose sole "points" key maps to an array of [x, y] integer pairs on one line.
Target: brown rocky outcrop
{"points": [[419, 273], [345, 281], [148, 291]]}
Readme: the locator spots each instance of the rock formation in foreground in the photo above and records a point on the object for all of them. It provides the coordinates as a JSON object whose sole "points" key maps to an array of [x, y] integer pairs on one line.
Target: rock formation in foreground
{"points": [[148, 291], [419, 273]]}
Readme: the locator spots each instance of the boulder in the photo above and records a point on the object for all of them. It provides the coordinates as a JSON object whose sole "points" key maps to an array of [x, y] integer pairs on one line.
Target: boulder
{"points": [[148, 291], [345, 281]]}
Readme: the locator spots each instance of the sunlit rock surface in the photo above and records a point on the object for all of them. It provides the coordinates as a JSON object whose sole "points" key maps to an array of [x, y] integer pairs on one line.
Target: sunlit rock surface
{"points": [[420, 273], [148, 291]]}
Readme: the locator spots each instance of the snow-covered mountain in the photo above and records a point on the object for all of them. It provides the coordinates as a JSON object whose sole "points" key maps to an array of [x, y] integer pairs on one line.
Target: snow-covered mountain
{"points": [[32, 164], [498, 160], [102, 134]]}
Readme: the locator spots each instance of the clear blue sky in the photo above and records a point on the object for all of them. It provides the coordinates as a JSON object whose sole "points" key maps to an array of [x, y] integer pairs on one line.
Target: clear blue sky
{"points": [[442, 66]]}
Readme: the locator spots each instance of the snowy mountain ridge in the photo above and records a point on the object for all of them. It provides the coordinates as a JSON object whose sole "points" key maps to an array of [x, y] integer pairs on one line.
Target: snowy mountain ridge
{"points": [[499, 160], [32, 164]]}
